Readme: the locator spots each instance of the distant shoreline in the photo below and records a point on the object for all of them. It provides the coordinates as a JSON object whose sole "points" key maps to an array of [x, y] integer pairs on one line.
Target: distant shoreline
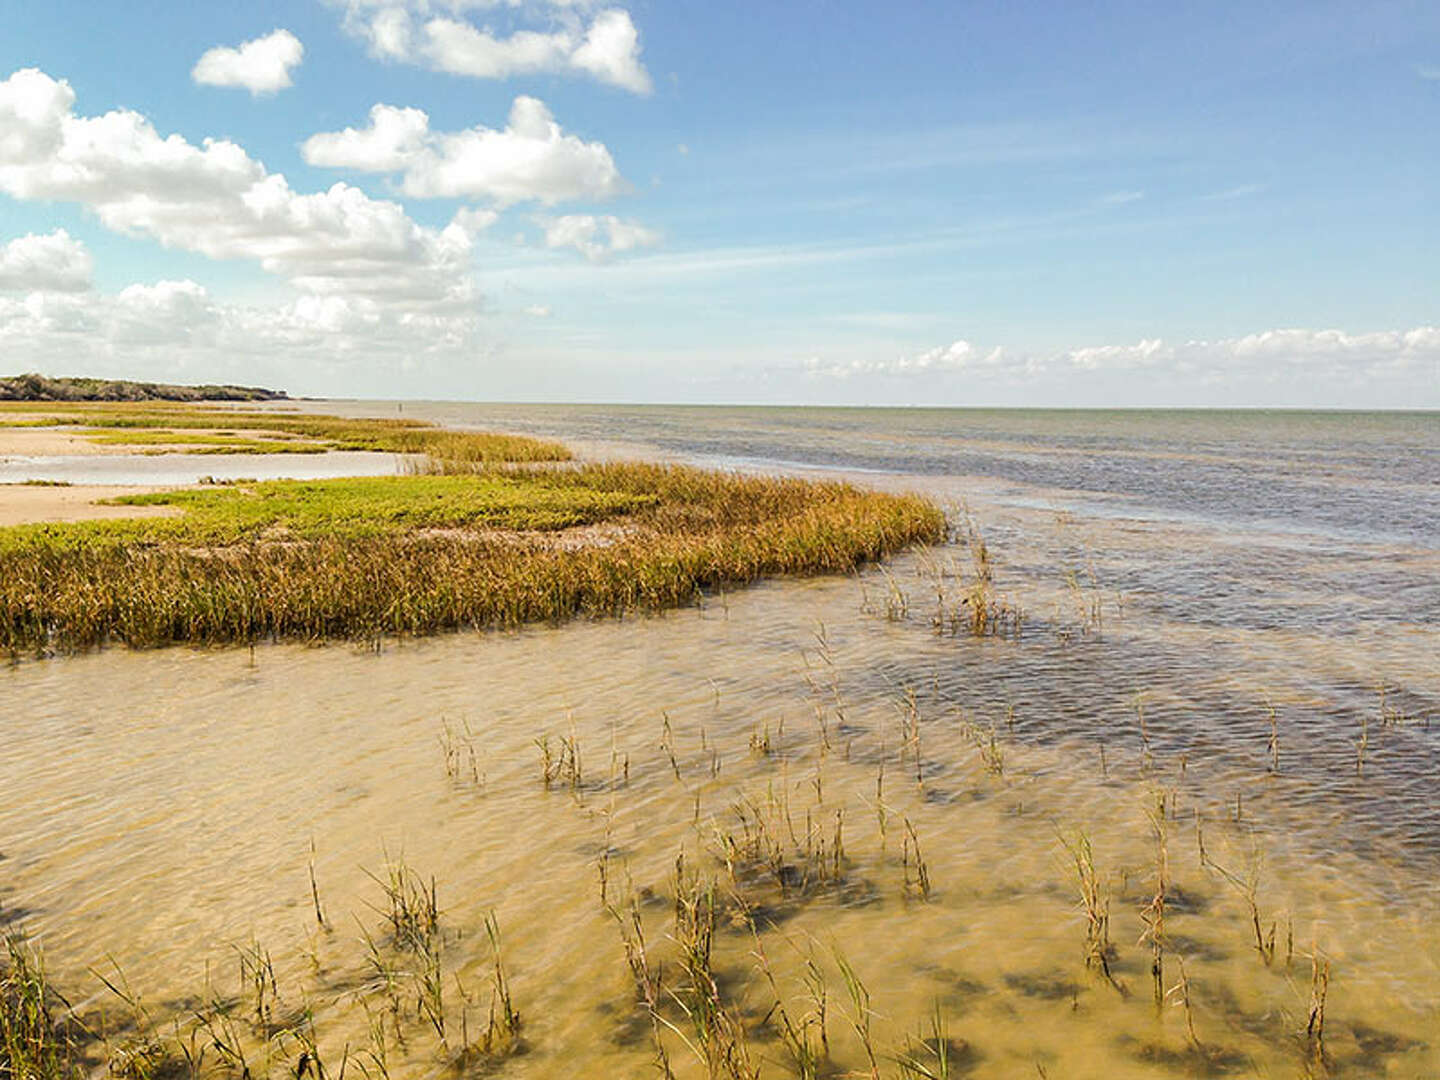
{"points": [[32, 387]]}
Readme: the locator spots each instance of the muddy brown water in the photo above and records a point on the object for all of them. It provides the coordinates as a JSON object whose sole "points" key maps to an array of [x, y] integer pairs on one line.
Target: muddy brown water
{"points": [[161, 810]]}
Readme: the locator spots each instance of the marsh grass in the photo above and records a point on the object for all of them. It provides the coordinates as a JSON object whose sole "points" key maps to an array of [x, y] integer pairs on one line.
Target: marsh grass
{"points": [[726, 983], [219, 443], [158, 425], [1095, 901], [361, 558], [39, 1037]]}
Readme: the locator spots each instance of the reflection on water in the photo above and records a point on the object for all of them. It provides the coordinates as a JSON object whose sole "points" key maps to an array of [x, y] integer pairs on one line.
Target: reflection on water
{"points": [[1274, 687]]}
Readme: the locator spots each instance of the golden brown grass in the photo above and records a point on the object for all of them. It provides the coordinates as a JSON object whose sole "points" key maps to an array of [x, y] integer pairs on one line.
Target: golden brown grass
{"points": [[338, 568]]}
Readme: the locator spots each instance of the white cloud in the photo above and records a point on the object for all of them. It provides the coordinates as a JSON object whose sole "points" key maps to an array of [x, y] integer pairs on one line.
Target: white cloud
{"points": [[959, 356], [1327, 355], [395, 138], [52, 263], [610, 51], [168, 313], [1120, 198], [177, 330], [1429, 72], [597, 238], [532, 159], [606, 49], [216, 200], [261, 66], [537, 311], [474, 221], [1239, 191]]}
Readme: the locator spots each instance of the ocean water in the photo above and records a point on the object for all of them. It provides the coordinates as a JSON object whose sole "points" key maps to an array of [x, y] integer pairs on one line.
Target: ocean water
{"points": [[1233, 616]]}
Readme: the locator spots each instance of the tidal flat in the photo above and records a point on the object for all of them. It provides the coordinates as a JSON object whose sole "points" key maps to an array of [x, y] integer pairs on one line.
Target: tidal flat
{"points": [[1167, 810]]}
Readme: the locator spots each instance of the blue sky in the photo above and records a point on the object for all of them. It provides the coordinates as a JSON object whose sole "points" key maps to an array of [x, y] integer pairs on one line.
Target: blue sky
{"points": [[1050, 204]]}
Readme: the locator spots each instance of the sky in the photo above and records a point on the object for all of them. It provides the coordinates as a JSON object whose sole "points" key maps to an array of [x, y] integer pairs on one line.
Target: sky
{"points": [[809, 202]]}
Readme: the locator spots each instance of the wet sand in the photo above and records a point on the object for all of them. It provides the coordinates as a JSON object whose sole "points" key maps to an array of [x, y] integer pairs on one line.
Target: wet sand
{"points": [[51, 442], [24, 504]]}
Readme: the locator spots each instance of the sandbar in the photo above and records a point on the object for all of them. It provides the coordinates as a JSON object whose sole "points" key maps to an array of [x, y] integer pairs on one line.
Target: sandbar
{"points": [[24, 504]]}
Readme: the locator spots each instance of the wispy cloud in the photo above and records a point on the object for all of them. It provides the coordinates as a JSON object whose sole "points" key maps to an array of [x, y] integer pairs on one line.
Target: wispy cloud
{"points": [[1270, 354], [1239, 191], [1429, 72], [1120, 198], [597, 237], [606, 49], [887, 320]]}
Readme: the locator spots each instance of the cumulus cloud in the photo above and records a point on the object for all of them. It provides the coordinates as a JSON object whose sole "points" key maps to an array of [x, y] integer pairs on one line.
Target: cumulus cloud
{"points": [[597, 238], [177, 329], [216, 200], [261, 66], [52, 263], [1271, 354], [606, 48], [531, 159], [474, 221]]}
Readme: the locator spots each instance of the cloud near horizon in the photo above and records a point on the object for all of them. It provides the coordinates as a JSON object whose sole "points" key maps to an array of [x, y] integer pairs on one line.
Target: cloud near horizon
{"points": [[51, 263], [1270, 354], [176, 329], [369, 280]]}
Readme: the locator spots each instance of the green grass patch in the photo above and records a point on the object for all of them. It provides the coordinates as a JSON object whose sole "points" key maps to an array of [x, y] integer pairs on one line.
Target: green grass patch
{"points": [[371, 505], [361, 558], [199, 443]]}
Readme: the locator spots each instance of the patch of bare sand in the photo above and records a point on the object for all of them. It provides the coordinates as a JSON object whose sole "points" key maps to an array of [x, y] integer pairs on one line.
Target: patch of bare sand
{"points": [[78, 442], [52, 442], [25, 504]]}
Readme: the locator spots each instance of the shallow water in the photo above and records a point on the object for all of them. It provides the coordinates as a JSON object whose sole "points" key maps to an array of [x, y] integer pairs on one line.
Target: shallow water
{"points": [[160, 808], [177, 469]]}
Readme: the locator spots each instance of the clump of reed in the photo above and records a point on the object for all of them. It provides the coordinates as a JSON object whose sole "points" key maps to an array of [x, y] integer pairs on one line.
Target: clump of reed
{"points": [[462, 762], [1095, 902], [692, 1006], [411, 960], [232, 577], [935, 1056], [804, 1036], [39, 1036], [560, 762], [764, 850], [963, 605]]}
